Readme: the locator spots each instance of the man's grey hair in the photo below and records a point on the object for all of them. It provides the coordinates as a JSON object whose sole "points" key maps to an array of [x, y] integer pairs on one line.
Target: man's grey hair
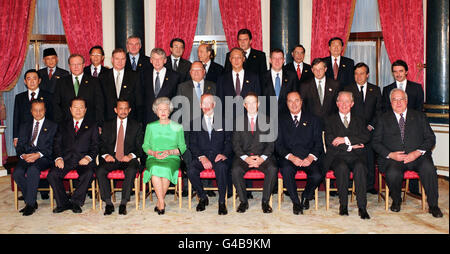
{"points": [[158, 51], [344, 92], [134, 37], [162, 100], [396, 90]]}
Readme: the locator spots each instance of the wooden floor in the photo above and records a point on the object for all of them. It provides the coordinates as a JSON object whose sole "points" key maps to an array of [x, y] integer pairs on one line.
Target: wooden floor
{"points": [[411, 219]]}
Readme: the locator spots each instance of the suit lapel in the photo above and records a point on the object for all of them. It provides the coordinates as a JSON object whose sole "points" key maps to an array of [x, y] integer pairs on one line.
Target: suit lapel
{"points": [[43, 132]]}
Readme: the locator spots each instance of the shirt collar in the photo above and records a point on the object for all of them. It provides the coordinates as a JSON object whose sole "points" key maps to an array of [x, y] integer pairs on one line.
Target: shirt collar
{"points": [[298, 115], [35, 91]]}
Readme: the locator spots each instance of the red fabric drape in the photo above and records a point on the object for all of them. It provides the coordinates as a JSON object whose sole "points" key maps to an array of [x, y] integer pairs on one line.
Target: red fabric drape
{"points": [[402, 26], [176, 19], [15, 24], [238, 14], [82, 21], [330, 18]]}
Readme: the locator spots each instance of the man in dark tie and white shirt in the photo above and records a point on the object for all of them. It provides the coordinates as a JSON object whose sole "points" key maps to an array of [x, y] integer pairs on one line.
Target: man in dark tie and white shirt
{"points": [[175, 61], [339, 68], [136, 61], [96, 55], [51, 73], [302, 69]]}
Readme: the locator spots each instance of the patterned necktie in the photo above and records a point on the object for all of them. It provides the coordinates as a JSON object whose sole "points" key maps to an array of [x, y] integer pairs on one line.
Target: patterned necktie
{"points": [[401, 124], [119, 142], [198, 90], [320, 92], [296, 121], [32, 96], [252, 125], [35, 132], [118, 85], [157, 84], [299, 72], [238, 85], [76, 86], [175, 65], [76, 127], [133, 64], [335, 69], [345, 122], [95, 74], [50, 73], [277, 85]]}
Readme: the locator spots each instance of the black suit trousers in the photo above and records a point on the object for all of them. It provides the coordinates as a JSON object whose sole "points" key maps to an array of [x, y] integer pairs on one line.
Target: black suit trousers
{"points": [[342, 166], [56, 177], [129, 168], [313, 171], [239, 169], [221, 170], [427, 172], [29, 183]]}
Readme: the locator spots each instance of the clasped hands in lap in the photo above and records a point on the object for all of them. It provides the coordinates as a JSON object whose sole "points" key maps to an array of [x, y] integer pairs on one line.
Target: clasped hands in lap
{"points": [[207, 163], [31, 157], [400, 156], [59, 163], [161, 155]]}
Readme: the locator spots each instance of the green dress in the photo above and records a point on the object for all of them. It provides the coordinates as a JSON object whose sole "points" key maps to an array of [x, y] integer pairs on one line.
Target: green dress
{"points": [[160, 137]]}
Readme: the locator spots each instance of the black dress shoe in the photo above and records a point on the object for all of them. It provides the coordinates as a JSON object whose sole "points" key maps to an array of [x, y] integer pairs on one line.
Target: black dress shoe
{"points": [[28, 210], [76, 208], [362, 212], [297, 208], [35, 206], [372, 191], [44, 195], [21, 198], [333, 193], [395, 207], [109, 209], [249, 195], [211, 193], [123, 209], [243, 206], [222, 209], [343, 210], [61, 209], [202, 204], [435, 211], [266, 207], [305, 203]]}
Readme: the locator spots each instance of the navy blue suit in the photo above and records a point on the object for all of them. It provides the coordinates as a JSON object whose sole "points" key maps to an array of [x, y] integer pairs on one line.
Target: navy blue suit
{"points": [[47, 84], [201, 144], [414, 92], [288, 84], [214, 71], [44, 145], [345, 71]]}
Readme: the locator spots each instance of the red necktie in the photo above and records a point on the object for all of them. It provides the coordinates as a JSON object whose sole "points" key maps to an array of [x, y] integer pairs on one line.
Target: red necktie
{"points": [[76, 127], [32, 96], [335, 69], [299, 72], [252, 125], [50, 74]]}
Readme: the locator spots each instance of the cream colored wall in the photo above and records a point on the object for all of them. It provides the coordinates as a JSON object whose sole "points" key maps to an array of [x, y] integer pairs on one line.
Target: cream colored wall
{"points": [[305, 27], [108, 30]]}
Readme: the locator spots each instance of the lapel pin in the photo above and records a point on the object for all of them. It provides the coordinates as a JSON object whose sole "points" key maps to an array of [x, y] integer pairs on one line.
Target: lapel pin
{"points": [[247, 81], [42, 98], [305, 70], [86, 81], [286, 80], [45, 129], [254, 56], [56, 76], [304, 124], [329, 89], [86, 127], [343, 65], [167, 78], [371, 89], [140, 65], [124, 86]]}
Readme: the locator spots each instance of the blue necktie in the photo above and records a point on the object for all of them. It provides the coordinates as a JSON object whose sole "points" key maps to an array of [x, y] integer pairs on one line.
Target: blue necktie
{"points": [[133, 64], [277, 85], [198, 90]]}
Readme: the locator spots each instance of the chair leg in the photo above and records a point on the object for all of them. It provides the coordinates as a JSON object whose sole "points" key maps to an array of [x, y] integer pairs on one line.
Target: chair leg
{"points": [[270, 200], [327, 193], [386, 198], [180, 192], [93, 194], [143, 195], [150, 189], [100, 201], [380, 178], [316, 194], [280, 190], [353, 192], [424, 197], [52, 204], [136, 192], [113, 193], [189, 195], [71, 186], [406, 190], [16, 198], [234, 198]]}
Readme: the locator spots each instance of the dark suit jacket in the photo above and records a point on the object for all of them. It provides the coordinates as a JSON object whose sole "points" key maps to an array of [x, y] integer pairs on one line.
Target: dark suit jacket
{"points": [[414, 92], [89, 90], [356, 132], [142, 64], [168, 89], [306, 73], [301, 140], [130, 91], [255, 63], [44, 140], [22, 109], [73, 147], [311, 101], [370, 109], [345, 72], [50, 84], [187, 89], [225, 85], [220, 142], [87, 70], [387, 138], [288, 84], [134, 136], [184, 66], [214, 71]]}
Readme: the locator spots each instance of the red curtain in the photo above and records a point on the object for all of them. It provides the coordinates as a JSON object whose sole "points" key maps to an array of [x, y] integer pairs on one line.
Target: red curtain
{"points": [[330, 18], [402, 26], [176, 19], [16, 21], [82, 21], [238, 14]]}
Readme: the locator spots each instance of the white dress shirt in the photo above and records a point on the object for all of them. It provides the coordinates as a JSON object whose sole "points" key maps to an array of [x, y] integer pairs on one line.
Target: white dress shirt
{"points": [[296, 65], [402, 84], [274, 76], [99, 67], [255, 117], [207, 65], [338, 61], [241, 78], [80, 77], [41, 122], [53, 72], [36, 92], [347, 141], [162, 75], [323, 81], [118, 86]]}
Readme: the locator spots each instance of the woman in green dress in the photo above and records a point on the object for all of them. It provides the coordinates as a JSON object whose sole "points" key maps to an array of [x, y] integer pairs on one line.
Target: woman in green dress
{"points": [[164, 143]]}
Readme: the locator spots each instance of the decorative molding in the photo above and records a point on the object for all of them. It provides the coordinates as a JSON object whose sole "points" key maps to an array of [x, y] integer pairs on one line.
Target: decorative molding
{"points": [[434, 106], [437, 115]]}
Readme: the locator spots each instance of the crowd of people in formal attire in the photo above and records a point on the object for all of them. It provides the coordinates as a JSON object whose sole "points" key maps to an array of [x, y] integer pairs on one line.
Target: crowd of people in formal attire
{"points": [[95, 119]]}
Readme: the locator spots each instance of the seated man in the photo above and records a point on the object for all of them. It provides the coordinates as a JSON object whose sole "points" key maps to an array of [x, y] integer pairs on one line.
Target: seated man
{"points": [[345, 136], [75, 148], [299, 147], [407, 147], [120, 146], [252, 152], [211, 149], [34, 149]]}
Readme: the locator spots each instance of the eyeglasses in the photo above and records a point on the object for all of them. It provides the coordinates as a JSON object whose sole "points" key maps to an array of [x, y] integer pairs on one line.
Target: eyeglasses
{"points": [[96, 54]]}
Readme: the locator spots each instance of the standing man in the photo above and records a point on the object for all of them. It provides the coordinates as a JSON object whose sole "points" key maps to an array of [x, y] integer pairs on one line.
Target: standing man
{"points": [[303, 70], [206, 55], [299, 147], [135, 60], [255, 60], [121, 83], [35, 152], [175, 62], [339, 68], [81, 86], [157, 82], [403, 139], [75, 147], [277, 82], [367, 106], [51, 73], [345, 136], [251, 153], [96, 68], [120, 147], [211, 148]]}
